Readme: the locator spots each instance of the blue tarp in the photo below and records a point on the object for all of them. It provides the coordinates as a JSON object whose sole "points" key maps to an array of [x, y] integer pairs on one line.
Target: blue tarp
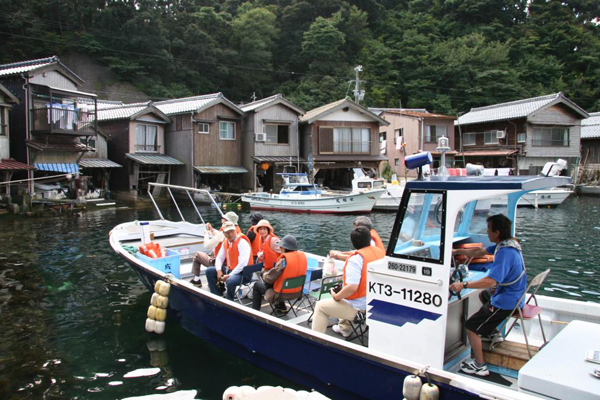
{"points": [[66, 168]]}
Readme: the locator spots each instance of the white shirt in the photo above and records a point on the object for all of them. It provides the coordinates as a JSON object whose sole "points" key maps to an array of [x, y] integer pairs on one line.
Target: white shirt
{"points": [[210, 241], [244, 255], [353, 275]]}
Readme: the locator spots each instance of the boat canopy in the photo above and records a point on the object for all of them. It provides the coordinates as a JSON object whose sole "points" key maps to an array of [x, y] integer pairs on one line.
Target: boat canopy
{"points": [[523, 182]]}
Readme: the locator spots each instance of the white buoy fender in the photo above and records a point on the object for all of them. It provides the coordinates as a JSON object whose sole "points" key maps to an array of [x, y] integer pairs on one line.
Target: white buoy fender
{"points": [[247, 390], [150, 325], [159, 301], [429, 391], [164, 288], [159, 327], [261, 388], [232, 393], [161, 314], [157, 286], [151, 312], [411, 387]]}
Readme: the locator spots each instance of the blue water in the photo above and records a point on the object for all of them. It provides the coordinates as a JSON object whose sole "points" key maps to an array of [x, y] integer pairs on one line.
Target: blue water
{"points": [[72, 313]]}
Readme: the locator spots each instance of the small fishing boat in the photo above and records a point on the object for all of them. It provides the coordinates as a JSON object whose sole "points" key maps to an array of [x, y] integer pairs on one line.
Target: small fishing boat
{"points": [[300, 195], [389, 200], [415, 326]]}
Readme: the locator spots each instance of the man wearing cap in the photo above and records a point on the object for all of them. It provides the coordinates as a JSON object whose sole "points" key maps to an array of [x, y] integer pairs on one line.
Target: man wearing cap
{"points": [[230, 261], [291, 264], [252, 233]]}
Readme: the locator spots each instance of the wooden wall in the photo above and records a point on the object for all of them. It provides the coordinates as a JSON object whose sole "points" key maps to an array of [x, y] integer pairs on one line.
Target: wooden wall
{"points": [[210, 149]]}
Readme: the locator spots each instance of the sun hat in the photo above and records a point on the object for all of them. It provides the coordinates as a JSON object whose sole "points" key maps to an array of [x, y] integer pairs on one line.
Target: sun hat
{"points": [[255, 217], [232, 217], [228, 226], [263, 223], [288, 242]]}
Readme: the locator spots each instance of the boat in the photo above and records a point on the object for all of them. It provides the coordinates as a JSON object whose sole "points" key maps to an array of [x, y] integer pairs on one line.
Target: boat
{"points": [[389, 200], [541, 198], [300, 195], [414, 325]]}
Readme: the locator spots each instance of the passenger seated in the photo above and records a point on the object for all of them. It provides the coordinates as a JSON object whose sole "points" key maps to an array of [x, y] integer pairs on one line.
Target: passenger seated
{"points": [[375, 238], [352, 298], [269, 250], [291, 264]]}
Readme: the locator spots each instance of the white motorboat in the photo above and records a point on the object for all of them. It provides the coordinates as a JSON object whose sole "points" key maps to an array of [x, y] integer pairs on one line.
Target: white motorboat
{"points": [[389, 200], [540, 198], [299, 195]]}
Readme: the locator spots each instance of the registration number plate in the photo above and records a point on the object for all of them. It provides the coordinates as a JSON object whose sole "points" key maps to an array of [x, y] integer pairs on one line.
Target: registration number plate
{"points": [[394, 266]]}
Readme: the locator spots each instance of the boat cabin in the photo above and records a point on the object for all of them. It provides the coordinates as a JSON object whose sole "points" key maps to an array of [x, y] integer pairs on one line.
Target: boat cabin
{"points": [[297, 184]]}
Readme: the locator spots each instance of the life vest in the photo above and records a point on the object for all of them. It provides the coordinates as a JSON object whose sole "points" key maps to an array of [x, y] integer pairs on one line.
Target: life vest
{"points": [[461, 258], [152, 250], [232, 253], [218, 247], [255, 244], [377, 239], [369, 254], [271, 256], [295, 266]]}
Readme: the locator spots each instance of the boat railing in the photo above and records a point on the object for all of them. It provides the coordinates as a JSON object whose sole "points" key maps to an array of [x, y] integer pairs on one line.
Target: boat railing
{"points": [[188, 191]]}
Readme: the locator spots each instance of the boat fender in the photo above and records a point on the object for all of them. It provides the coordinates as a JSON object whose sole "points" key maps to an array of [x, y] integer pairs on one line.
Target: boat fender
{"points": [[302, 394], [161, 314], [263, 388], [150, 325], [233, 393], [159, 327], [412, 387], [429, 391], [163, 288], [247, 390], [152, 312], [159, 301], [290, 391]]}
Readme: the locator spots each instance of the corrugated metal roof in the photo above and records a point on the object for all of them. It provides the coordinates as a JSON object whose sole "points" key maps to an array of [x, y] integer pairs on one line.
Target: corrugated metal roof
{"points": [[8, 164], [98, 163], [421, 114], [30, 65], [154, 159], [67, 168], [277, 159], [590, 127], [220, 169], [515, 109]]}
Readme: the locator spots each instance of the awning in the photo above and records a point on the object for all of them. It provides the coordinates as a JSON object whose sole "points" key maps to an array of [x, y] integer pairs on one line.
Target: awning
{"points": [[489, 153], [66, 168], [153, 159], [8, 164], [97, 163], [277, 159], [220, 169]]}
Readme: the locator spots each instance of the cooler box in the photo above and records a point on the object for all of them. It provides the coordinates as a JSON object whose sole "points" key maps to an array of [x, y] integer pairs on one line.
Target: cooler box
{"points": [[169, 264]]}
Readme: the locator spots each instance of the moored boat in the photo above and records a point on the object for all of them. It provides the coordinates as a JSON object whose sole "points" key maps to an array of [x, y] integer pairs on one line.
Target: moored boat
{"points": [[389, 200]]}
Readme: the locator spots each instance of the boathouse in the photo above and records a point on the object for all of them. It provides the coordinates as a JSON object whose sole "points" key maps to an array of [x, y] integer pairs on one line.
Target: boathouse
{"points": [[590, 150], [270, 139]]}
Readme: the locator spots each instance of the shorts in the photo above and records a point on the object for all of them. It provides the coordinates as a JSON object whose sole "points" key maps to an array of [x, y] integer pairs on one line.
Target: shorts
{"points": [[484, 321]]}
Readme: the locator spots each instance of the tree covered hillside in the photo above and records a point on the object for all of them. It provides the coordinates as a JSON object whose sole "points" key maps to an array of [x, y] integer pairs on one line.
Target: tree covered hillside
{"points": [[447, 56]]}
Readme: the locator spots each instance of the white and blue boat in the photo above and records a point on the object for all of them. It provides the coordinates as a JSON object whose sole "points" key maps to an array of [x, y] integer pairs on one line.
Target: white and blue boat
{"points": [[415, 327]]}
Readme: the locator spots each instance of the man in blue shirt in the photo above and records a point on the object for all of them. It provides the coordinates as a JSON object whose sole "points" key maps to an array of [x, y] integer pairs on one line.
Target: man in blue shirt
{"points": [[507, 275]]}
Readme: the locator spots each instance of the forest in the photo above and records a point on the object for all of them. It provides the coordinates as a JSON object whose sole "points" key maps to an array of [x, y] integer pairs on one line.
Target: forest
{"points": [[443, 55]]}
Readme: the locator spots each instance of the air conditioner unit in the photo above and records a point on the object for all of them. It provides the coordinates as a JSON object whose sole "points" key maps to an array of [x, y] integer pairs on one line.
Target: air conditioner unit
{"points": [[500, 134], [261, 137]]}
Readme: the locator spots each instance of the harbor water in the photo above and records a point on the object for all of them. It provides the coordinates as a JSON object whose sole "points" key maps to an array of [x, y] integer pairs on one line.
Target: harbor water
{"points": [[72, 312]]}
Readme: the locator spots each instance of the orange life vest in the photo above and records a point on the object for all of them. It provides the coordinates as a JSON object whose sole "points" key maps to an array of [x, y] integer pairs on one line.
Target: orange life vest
{"points": [[369, 254], [461, 258], [271, 256], [255, 244], [238, 231], [232, 253], [295, 266], [378, 242]]}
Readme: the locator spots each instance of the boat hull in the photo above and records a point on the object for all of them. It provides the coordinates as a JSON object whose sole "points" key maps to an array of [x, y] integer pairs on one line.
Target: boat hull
{"points": [[540, 198]]}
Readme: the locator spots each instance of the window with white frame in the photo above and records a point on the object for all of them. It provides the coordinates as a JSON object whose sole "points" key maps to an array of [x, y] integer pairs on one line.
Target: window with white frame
{"points": [[203, 128], [226, 130], [490, 137], [434, 132], [351, 140], [146, 137], [522, 137], [277, 134], [469, 139], [552, 136], [397, 134]]}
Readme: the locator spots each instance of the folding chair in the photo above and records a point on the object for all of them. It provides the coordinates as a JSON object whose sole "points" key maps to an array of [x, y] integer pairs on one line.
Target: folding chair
{"points": [[359, 327], [291, 283], [247, 275], [327, 284], [529, 311]]}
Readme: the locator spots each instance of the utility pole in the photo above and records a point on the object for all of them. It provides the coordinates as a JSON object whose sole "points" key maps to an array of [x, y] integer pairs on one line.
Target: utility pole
{"points": [[358, 94], [253, 97]]}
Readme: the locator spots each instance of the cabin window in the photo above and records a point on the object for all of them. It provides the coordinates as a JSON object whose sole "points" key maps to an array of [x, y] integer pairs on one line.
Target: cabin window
{"points": [[277, 134], [469, 139], [203, 128], [490, 137], [146, 138], [554, 136], [420, 233], [226, 130], [364, 185], [434, 132], [522, 137]]}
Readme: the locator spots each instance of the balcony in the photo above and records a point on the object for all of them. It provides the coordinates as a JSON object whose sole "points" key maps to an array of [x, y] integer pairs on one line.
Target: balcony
{"points": [[147, 148]]}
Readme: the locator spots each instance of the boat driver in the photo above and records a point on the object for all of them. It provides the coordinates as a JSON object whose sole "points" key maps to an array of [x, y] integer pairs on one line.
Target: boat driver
{"points": [[507, 275], [234, 255]]}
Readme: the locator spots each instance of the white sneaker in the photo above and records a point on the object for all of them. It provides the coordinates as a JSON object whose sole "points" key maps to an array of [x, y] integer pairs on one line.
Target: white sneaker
{"points": [[336, 328]]}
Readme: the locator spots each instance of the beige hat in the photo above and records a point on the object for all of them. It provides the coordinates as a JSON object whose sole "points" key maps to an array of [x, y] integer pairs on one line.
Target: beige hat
{"points": [[263, 223], [228, 226], [232, 217]]}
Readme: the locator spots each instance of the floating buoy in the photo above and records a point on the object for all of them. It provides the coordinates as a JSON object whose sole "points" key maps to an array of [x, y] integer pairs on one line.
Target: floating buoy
{"points": [[159, 301], [159, 327], [233, 393], [412, 387], [163, 288], [247, 390], [161, 314], [429, 391]]}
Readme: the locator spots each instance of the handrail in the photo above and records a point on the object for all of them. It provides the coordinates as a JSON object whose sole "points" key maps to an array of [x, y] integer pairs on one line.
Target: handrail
{"points": [[186, 189]]}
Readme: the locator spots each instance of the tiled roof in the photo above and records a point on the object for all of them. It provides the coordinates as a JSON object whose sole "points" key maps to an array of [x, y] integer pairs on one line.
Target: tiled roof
{"points": [[154, 159], [590, 127], [8, 164], [120, 112], [108, 103], [379, 111], [314, 114], [278, 98], [420, 114], [30, 65], [514, 109], [319, 110], [98, 163]]}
